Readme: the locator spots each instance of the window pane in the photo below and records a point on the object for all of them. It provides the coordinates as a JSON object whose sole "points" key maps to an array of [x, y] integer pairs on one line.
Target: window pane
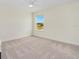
{"points": [[39, 19]]}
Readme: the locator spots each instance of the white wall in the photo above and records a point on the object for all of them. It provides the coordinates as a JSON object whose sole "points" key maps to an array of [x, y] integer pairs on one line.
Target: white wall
{"points": [[61, 23], [14, 23]]}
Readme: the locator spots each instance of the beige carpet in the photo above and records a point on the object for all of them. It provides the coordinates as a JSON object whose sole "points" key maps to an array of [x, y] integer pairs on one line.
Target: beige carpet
{"points": [[37, 48]]}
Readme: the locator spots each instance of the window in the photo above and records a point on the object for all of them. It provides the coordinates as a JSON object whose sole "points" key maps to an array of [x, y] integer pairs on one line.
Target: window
{"points": [[39, 20]]}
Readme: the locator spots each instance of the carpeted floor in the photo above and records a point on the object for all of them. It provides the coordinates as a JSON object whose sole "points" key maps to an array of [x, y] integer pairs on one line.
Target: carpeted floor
{"points": [[37, 48]]}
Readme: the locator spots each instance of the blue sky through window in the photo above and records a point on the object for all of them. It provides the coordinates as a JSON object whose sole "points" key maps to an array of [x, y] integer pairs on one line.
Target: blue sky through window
{"points": [[39, 19]]}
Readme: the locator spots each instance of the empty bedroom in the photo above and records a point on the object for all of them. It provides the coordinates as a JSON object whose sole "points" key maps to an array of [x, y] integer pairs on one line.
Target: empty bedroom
{"points": [[39, 29]]}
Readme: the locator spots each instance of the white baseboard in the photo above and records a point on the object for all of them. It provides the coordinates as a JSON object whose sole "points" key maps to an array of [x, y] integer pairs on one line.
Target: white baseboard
{"points": [[66, 42], [14, 38]]}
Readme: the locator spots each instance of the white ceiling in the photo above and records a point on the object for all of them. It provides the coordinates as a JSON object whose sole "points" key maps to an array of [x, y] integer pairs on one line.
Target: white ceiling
{"points": [[39, 4]]}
